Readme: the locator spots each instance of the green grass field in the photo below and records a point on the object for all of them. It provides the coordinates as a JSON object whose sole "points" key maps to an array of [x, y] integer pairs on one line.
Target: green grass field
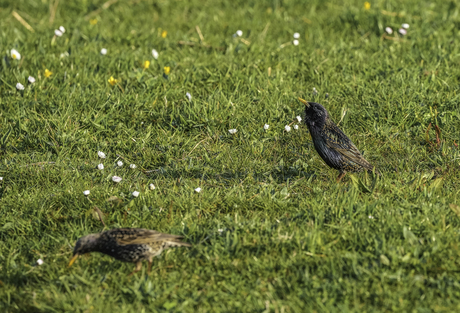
{"points": [[272, 230]]}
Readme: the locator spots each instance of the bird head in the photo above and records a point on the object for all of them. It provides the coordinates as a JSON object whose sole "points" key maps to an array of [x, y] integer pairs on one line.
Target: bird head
{"points": [[84, 245], [315, 113]]}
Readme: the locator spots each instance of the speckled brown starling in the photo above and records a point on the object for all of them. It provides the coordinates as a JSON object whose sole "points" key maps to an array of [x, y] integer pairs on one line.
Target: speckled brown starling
{"points": [[128, 245], [332, 145]]}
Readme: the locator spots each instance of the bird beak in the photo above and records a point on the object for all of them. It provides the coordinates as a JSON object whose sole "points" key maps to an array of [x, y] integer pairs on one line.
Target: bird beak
{"points": [[73, 259], [304, 102]]}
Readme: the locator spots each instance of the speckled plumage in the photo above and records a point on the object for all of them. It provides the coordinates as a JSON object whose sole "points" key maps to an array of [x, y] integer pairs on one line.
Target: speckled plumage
{"points": [[128, 245], [332, 145]]}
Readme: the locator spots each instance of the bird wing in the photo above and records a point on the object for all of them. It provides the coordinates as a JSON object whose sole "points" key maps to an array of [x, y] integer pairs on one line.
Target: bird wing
{"points": [[129, 236], [338, 141]]}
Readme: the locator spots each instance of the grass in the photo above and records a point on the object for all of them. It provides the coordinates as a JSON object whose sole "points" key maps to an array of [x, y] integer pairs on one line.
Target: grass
{"points": [[272, 231]]}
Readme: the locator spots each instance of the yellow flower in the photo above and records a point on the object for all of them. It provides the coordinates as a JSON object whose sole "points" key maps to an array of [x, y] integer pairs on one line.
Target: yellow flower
{"points": [[367, 5], [164, 34], [93, 21], [146, 65], [112, 81], [48, 73], [167, 69]]}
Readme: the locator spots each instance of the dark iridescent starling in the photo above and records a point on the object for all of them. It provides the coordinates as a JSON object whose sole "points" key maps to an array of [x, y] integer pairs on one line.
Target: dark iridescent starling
{"points": [[128, 245], [332, 145]]}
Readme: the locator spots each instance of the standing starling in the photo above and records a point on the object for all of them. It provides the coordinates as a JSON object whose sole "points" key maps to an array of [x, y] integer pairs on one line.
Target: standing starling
{"points": [[128, 245], [332, 145]]}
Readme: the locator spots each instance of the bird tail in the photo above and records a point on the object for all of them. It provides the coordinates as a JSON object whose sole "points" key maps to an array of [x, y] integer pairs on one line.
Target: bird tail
{"points": [[177, 243]]}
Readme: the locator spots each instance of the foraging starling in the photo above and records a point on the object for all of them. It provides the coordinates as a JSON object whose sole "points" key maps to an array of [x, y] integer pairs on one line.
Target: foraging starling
{"points": [[128, 245], [332, 145]]}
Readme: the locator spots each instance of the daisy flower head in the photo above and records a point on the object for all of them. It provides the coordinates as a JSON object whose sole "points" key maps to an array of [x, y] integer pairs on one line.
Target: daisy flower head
{"points": [[239, 33], [232, 131], [266, 126], [155, 54], [189, 96], [62, 29], [152, 187], [86, 192], [388, 30], [116, 179], [101, 154], [298, 118], [296, 35], [402, 31], [287, 128], [405, 25], [100, 166], [19, 86], [296, 126], [1, 178], [112, 81], [146, 65], [58, 33], [48, 73], [31, 79], [135, 194], [198, 189], [295, 42], [15, 54], [133, 166], [103, 51], [40, 262], [315, 92], [120, 164]]}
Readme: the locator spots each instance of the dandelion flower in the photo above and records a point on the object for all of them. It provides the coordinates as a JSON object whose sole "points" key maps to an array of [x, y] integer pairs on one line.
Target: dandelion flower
{"points": [[93, 21], [295, 42], [40, 262], [133, 166], [101, 154], [135, 194], [15, 54], [103, 51], [189, 96], [296, 127], [164, 34], [86, 192], [155, 54], [62, 29], [167, 69], [19, 86], [402, 31], [58, 33], [296, 35], [31, 79], [112, 81], [266, 126], [116, 179], [120, 164], [239, 33], [146, 65], [152, 187], [287, 128], [367, 5], [198, 189], [405, 25], [389, 30], [299, 118], [100, 166], [48, 73], [232, 131]]}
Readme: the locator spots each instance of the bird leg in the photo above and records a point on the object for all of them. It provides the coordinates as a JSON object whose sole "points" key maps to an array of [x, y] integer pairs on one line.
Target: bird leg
{"points": [[341, 175], [137, 268], [149, 266]]}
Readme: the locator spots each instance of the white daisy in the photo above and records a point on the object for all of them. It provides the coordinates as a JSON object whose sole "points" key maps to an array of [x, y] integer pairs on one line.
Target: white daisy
{"points": [[116, 179], [198, 189], [371, 217], [389, 30], [19, 86], [57, 32], [239, 33], [133, 166], [15, 54], [287, 128], [296, 127], [315, 92], [405, 25], [402, 31], [62, 29], [152, 187], [299, 118], [189, 96], [86, 192], [155, 54], [31, 79], [296, 35], [101, 154], [295, 42], [232, 131], [100, 166], [40, 262], [120, 164], [135, 194], [1, 178], [103, 51], [266, 126]]}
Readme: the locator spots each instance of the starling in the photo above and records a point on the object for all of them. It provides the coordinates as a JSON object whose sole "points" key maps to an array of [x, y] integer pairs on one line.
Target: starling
{"points": [[128, 245], [332, 145]]}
